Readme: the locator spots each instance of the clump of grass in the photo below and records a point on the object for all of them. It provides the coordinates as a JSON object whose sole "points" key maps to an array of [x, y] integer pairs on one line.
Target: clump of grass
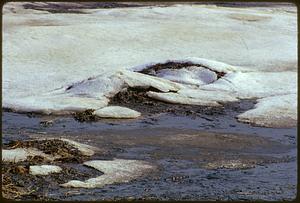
{"points": [[10, 190], [53, 147], [87, 115], [19, 184]]}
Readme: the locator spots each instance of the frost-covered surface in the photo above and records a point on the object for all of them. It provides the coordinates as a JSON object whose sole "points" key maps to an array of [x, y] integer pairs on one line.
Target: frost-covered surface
{"points": [[63, 63], [44, 169], [278, 111], [117, 112], [115, 171]]}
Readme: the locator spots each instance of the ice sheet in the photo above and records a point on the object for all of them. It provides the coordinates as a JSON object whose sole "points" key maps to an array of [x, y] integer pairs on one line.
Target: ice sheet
{"points": [[61, 63], [256, 84]]}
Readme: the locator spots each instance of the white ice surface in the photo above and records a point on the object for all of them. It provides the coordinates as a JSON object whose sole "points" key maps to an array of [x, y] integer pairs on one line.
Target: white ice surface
{"points": [[44, 169], [196, 96], [54, 104], [115, 171], [191, 75], [94, 54], [21, 154], [133, 79], [117, 112], [276, 111], [256, 84], [175, 98], [14, 155]]}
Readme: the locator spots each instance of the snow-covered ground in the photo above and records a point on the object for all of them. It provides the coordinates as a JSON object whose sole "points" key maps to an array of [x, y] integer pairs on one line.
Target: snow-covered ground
{"points": [[59, 63]]}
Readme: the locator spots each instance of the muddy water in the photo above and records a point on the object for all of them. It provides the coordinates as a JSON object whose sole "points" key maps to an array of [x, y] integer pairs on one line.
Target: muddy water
{"points": [[194, 155]]}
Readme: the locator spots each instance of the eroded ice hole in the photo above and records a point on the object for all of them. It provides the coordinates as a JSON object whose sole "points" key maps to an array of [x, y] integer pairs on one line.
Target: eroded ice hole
{"points": [[185, 73]]}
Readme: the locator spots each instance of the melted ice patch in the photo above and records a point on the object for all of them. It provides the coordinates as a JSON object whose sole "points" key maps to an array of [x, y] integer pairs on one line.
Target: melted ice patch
{"points": [[115, 171]]}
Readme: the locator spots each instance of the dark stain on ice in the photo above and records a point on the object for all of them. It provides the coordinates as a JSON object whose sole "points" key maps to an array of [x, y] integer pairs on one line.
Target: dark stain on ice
{"points": [[152, 70], [76, 7]]}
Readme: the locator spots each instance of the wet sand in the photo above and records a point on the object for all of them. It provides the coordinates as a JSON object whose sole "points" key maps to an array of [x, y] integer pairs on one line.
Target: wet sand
{"points": [[211, 157]]}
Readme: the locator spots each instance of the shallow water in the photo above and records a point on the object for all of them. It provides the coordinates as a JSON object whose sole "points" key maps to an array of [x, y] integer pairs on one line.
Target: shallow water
{"points": [[224, 122], [180, 146]]}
